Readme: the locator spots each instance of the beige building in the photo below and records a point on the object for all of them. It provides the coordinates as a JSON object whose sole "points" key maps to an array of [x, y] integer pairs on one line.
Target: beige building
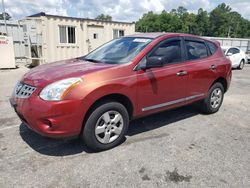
{"points": [[50, 38]]}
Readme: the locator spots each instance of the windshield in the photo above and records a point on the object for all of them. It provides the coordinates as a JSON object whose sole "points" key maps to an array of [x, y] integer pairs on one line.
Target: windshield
{"points": [[118, 51]]}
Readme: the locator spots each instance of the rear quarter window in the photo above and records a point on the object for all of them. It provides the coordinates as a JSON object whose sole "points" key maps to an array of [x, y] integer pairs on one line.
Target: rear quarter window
{"points": [[212, 47]]}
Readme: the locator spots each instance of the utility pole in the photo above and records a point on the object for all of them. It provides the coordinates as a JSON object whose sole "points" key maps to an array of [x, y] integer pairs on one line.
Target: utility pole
{"points": [[229, 30], [4, 17]]}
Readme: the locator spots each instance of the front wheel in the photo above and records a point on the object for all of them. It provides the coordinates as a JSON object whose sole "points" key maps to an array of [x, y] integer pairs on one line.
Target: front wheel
{"points": [[213, 102], [106, 126], [241, 65]]}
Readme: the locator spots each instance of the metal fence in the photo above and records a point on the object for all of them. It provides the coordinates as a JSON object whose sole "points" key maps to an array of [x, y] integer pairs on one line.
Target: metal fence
{"points": [[243, 44]]}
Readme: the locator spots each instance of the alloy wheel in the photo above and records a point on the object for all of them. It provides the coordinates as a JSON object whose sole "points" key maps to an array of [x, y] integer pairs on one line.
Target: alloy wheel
{"points": [[109, 127], [216, 98], [241, 65]]}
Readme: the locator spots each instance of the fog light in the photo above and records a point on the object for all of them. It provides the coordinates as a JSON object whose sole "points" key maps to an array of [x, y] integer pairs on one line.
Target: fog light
{"points": [[47, 122]]}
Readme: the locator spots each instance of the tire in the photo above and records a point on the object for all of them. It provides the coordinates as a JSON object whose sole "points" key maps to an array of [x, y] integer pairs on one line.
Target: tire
{"points": [[208, 104], [241, 65], [101, 132]]}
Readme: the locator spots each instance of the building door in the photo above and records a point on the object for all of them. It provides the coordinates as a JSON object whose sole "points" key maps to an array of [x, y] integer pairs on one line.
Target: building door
{"points": [[95, 37]]}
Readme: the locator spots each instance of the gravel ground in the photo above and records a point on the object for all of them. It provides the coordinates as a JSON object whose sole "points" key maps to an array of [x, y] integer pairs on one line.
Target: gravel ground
{"points": [[177, 148]]}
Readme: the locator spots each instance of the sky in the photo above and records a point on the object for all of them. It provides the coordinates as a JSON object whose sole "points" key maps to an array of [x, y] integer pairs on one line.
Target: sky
{"points": [[120, 10]]}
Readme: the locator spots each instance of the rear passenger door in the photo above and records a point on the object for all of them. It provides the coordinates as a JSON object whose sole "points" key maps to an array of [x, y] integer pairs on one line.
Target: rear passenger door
{"points": [[201, 68]]}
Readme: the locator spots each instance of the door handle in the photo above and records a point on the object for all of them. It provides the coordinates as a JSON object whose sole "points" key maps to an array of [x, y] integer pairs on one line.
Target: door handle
{"points": [[213, 67], [181, 73]]}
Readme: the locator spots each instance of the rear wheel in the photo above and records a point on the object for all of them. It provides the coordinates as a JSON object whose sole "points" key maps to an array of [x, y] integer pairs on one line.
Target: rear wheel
{"points": [[106, 126], [241, 65], [213, 102]]}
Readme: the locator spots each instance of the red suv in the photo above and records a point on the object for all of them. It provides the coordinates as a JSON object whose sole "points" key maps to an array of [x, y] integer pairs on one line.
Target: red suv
{"points": [[96, 96]]}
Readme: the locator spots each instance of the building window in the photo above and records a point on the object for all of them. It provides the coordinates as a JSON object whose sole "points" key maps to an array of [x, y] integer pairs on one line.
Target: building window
{"points": [[24, 28], [67, 34], [71, 35], [95, 36], [118, 33]]}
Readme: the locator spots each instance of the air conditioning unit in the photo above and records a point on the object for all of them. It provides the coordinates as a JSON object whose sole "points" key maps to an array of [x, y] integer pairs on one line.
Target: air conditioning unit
{"points": [[7, 57]]}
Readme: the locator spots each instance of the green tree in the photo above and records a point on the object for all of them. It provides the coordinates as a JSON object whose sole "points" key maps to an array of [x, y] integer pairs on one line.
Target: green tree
{"points": [[169, 22], [149, 23], [220, 22], [202, 22], [181, 10], [234, 24], [188, 23], [7, 16], [173, 11], [104, 17]]}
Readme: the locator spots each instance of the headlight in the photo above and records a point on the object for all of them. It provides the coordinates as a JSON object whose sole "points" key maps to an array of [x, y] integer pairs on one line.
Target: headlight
{"points": [[58, 90]]}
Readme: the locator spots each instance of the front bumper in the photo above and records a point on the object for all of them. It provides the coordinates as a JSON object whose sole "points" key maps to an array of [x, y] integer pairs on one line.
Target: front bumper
{"points": [[50, 118]]}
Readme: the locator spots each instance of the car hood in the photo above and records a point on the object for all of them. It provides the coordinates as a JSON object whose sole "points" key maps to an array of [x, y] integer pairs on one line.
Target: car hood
{"points": [[51, 72]]}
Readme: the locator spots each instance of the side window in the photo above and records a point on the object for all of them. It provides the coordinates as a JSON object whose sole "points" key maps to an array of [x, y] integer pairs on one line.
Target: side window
{"points": [[196, 50], [212, 47], [231, 50], [169, 50], [236, 51]]}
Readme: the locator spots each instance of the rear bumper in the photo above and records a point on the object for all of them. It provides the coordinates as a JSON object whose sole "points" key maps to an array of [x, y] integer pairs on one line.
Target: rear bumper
{"points": [[50, 119], [229, 78]]}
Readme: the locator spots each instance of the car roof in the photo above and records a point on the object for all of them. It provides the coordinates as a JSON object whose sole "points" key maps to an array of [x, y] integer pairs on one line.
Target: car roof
{"points": [[227, 47], [154, 35], [147, 35]]}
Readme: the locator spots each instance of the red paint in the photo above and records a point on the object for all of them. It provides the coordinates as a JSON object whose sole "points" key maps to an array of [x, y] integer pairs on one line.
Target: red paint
{"points": [[3, 42], [143, 88]]}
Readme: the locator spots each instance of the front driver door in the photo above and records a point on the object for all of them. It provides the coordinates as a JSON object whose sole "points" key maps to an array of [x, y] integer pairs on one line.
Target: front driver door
{"points": [[237, 56], [232, 56], [163, 87]]}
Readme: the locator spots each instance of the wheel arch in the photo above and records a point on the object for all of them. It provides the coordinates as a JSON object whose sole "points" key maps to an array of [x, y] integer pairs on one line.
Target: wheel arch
{"points": [[121, 98], [223, 81]]}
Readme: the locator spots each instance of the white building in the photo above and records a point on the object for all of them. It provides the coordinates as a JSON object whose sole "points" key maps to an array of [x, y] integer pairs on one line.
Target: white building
{"points": [[50, 38]]}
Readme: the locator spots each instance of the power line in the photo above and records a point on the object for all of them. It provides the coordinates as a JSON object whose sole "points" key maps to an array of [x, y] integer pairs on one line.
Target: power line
{"points": [[4, 17]]}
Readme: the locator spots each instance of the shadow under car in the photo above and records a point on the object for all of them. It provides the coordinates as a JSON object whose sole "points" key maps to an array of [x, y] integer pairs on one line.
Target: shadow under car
{"points": [[65, 147]]}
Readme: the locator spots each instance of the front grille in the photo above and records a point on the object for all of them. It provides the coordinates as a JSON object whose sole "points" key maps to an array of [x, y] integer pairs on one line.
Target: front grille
{"points": [[23, 90]]}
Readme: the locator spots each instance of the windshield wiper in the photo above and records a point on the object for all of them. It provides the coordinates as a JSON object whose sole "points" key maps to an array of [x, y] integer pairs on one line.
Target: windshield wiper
{"points": [[92, 60]]}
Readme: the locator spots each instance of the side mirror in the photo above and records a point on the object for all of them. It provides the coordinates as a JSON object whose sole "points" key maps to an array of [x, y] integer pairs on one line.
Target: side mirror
{"points": [[229, 54], [154, 62]]}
